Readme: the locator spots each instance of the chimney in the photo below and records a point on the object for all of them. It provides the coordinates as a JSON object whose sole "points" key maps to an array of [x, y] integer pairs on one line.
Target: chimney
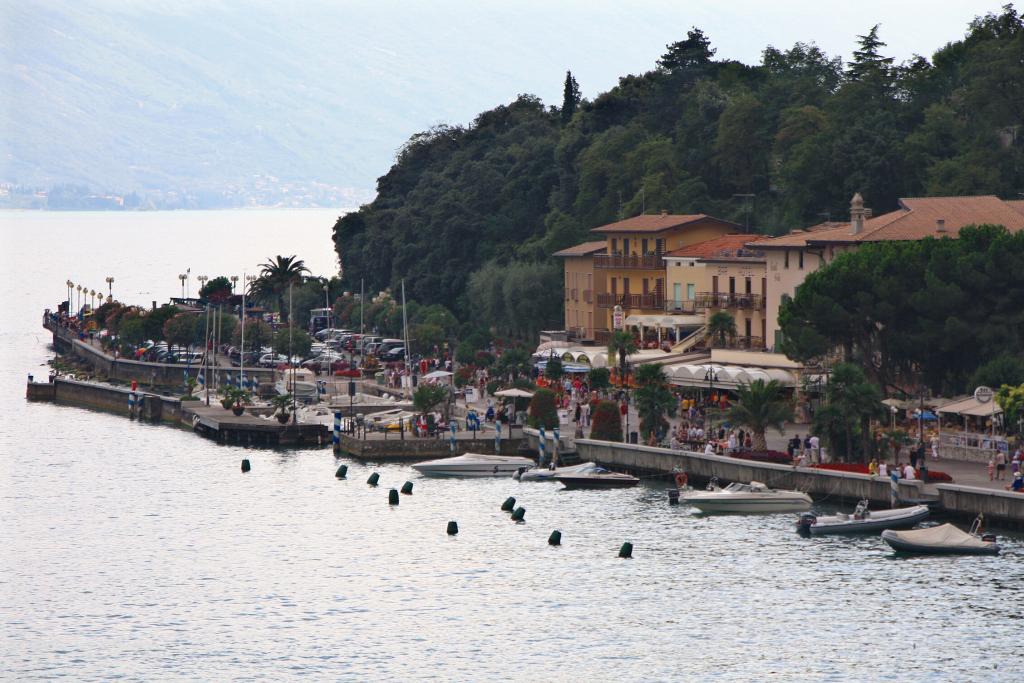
{"points": [[940, 225], [856, 214]]}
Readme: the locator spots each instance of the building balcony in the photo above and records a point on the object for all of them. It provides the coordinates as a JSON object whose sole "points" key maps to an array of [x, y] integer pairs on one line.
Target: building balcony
{"points": [[651, 301], [686, 306], [726, 300], [638, 262], [738, 342]]}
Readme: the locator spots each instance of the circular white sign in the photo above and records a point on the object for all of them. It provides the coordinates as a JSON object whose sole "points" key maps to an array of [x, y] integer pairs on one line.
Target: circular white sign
{"points": [[983, 394]]}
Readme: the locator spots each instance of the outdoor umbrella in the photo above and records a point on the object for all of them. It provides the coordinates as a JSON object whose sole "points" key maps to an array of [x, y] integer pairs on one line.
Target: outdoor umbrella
{"points": [[437, 374], [514, 393]]}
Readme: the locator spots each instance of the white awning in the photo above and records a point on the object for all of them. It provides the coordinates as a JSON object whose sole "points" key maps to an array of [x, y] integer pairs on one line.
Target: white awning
{"points": [[665, 321], [971, 406], [729, 376]]}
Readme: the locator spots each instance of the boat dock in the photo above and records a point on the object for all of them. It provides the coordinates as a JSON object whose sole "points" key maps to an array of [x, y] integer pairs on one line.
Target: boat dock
{"points": [[222, 425]]}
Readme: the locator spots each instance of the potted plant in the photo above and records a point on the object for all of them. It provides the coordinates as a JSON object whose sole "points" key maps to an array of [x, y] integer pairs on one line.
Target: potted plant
{"points": [[237, 398], [283, 403]]}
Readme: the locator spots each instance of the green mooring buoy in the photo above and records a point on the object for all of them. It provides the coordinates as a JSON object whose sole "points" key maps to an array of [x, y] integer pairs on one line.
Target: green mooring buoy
{"points": [[245, 465], [453, 528], [407, 488], [555, 538], [626, 551], [519, 513], [509, 505], [342, 472], [374, 478]]}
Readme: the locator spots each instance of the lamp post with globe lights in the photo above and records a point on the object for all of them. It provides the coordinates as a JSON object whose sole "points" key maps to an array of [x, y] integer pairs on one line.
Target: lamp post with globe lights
{"points": [[183, 278], [110, 287], [202, 282], [71, 289], [78, 305], [234, 279]]}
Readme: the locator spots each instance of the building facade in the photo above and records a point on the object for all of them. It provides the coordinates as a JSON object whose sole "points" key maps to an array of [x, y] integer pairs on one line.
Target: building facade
{"points": [[582, 285]]}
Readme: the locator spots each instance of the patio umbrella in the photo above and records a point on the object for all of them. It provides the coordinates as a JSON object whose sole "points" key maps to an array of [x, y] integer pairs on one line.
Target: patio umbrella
{"points": [[514, 393], [437, 374]]}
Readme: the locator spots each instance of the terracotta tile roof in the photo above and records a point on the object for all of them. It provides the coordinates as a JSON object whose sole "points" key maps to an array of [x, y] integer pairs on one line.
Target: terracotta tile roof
{"points": [[916, 219], [585, 249], [726, 246], [659, 222]]}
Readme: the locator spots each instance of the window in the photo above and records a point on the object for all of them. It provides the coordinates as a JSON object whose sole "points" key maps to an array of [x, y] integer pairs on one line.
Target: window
{"points": [[625, 285], [615, 246], [785, 259], [645, 286], [643, 247], [747, 327], [732, 285], [748, 285], [714, 284], [691, 291], [801, 253], [677, 291], [615, 286], [659, 246], [764, 286], [625, 246]]}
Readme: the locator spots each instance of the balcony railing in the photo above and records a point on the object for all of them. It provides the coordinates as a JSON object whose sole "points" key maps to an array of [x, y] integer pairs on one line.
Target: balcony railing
{"points": [[641, 262], [684, 306], [735, 342], [631, 301], [726, 300]]}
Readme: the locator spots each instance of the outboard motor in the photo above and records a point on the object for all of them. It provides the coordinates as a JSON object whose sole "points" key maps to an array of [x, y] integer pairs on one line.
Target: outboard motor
{"points": [[519, 474], [673, 496], [806, 521], [988, 538]]}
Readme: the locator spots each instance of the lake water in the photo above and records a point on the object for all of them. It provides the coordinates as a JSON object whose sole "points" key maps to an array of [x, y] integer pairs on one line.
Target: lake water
{"points": [[141, 552]]}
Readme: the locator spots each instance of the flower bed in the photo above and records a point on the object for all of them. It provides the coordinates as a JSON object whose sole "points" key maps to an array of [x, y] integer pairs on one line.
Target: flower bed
{"points": [[777, 457], [859, 468]]}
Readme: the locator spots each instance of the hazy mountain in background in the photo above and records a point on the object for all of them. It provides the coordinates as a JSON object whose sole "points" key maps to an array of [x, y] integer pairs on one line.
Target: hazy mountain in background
{"points": [[234, 103]]}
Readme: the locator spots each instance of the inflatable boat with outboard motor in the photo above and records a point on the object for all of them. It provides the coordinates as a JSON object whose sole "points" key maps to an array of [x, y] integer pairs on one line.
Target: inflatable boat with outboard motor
{"points": [[862, 520]]}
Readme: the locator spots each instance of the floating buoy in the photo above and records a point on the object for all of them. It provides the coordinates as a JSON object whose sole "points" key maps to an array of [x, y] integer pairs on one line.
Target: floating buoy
{"points": [[555, 538], [245, 465], [626, 551], [342, 472], [519, 513], [407, 488], [673, 496], [509, 505], [453, 528], [393, 497], [374, 478]]}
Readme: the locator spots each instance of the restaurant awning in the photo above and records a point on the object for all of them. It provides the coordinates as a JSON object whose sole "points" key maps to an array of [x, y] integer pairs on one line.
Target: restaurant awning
{"points": [[665, 321], [970, 406], [729, 376]]}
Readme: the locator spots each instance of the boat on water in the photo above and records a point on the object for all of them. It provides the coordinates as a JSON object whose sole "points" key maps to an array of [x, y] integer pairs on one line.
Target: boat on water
{"points": [[299, 382], [548, 474], [473, 465], [752, 497], [596, 477], [944, 539], [862, 520]]}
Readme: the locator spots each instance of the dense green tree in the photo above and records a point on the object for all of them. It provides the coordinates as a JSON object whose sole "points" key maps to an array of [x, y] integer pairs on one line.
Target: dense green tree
{"points": [[182, 330], [469, 215], [721, 327], [622, 344], [851, 402], [428, 396], [654, 399], [542, 411], [570, 98], [1003, 369], [606, 423], [290, 341], [257, 335], [216, 290], [599, 379], [758, 406], [553, 369]]}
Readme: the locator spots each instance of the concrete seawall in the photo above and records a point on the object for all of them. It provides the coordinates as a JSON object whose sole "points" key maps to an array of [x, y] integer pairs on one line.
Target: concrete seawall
{"points": [[148, 406], [416, 449], [1004, 507], [820, 484]]}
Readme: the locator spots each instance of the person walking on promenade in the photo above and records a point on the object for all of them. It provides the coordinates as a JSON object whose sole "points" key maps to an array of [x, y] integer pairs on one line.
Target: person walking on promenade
{"points": [[1000, 465], [991, 468]]}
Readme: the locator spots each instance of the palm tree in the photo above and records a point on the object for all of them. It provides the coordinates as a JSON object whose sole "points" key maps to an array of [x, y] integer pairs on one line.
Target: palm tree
{"points": [[760, 405], [653, 398], [622, 343], [276, 275], [721, 325]]}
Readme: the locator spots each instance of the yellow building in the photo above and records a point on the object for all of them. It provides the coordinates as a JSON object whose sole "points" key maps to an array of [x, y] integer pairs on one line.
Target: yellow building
{"points": [[634, 269], [582, 283], [791, 258], [723, 274]]}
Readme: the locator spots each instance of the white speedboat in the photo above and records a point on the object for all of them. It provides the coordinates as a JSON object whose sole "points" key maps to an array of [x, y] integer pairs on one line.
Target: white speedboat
{"points": [[944, 539], [752, 497], [473, 465], [547, 474], [862, 520], [596, 477]]}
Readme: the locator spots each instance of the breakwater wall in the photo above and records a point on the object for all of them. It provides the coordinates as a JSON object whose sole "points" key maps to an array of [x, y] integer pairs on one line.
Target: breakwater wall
{"points": [[120, 401], [1003, 507], [820, 484]]}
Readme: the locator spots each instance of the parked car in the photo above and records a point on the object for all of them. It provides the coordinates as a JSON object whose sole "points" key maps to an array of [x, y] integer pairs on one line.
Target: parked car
{"points": [[331, 363], [272, 360], [394, 353], [186, 357]]}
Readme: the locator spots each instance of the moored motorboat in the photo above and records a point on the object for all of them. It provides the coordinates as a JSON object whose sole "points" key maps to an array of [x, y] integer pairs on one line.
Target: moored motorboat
{"points": [[596, 477], [546, 474], [944, 539], [752, 497], [862, 520], [473, 465]]}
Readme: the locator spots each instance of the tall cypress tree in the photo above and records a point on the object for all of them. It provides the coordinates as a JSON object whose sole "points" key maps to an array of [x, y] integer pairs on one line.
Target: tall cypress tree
{"points": [[570, 98]]}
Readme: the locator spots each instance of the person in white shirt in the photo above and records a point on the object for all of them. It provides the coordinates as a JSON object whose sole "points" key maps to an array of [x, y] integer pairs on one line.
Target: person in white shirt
{"points": [[908, 472], [709, 448], [816, 448], [883, 469], [732, 442]]}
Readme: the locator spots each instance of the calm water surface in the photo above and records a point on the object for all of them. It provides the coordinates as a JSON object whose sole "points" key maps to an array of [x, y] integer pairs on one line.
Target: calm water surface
{"points": [[141, 552]]}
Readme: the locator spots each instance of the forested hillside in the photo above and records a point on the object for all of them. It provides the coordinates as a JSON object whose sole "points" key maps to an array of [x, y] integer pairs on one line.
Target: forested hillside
{"points": [[800, 132]]}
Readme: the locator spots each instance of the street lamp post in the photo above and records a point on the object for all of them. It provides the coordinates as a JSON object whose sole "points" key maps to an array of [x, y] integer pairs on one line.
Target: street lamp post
{"points": [[327, 305], [711, 378], [202, 281], [71, 289], [92, 298], [182, 277], [110, 287], [78, 306], [234, 279]]}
